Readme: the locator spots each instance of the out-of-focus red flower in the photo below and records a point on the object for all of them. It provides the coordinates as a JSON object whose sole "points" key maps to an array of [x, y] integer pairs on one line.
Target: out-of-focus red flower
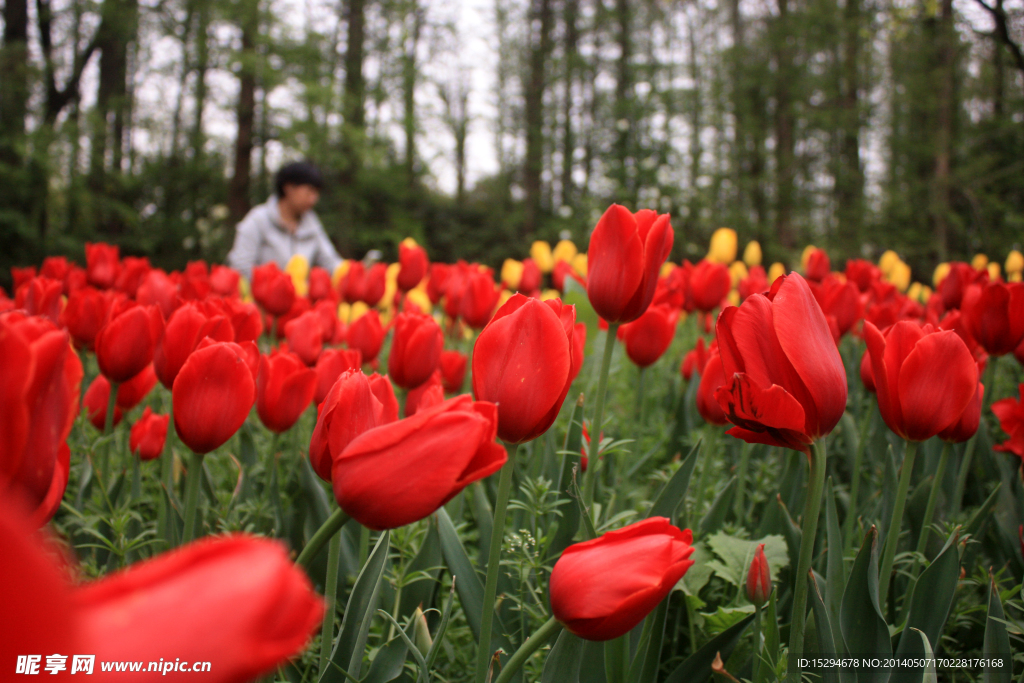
{"points": [[330, 366], [132, 392], [95, 401], [673, 289], [381, 387], [818, 265], [623, 261], [187, 326], [862, 273], [376, 284], [479, 298], [148, 435], [867, 377], [453, 370], [602, 588], [224, 281], [56, 268], [39, 394], [22, 276], [299, 306], [426, 395], [350, 408], [839, 301], [993, 313], [710, 283], [415, 349], [102, 264], [391, 475], [414, 262], [367, 335], [523, 361], [924, 379], [41, 296], [126, 343], [213, 393], [650, 335], [695, 359], [84, 315], [305, 336], [561, 271], [786, 384], [158, 289], [759, 578], [531, 278], [712, 377], [953, 286], [756, 282], [284, 389], [437, 282], [1010, 412], [273, 289], [245, 319], [320, 285], [133, 271]]}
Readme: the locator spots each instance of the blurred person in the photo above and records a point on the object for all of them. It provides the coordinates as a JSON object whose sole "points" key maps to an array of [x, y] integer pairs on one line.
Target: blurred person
{"points": [[285, 225]]}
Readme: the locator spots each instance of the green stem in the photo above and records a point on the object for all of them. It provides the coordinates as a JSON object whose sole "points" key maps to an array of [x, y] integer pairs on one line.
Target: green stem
{"points": [[741, 479], [331, 593], [965, 468], [542, 635], [590, 485], [483, 656], [808, 534], [933, 496], [326, 532], [195, 474], [892, 533], [757, 641], [108, 426], [616, 659], [989, 382], [851, 512]]}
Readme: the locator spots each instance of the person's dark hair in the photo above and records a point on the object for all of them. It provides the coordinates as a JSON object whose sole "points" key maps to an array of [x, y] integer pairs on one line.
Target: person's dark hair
{"points": [[298, 173]]}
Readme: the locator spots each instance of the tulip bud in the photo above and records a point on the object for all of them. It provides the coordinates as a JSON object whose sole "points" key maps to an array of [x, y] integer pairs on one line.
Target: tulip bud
{"points": [[887, 261], [540, 252], [759, 578], [421, 632], [1014, 262], [776, 271], [511, 273], [752, 253], [723, 246], [979, 262], [149, 434]]}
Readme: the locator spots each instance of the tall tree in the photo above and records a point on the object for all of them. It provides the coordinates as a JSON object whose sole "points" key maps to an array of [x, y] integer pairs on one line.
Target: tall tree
{"points": [[944, 85], [850, 180], [14, 86], [238, 190], [785, 140], [542, 15]]}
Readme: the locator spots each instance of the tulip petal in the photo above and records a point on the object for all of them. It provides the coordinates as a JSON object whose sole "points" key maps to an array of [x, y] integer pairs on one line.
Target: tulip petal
{"points": [[614, 262], [937, 381], [772, 412]]}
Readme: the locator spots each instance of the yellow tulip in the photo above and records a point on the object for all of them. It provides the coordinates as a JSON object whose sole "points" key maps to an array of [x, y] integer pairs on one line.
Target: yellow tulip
{"points": [[926, 293], [979, 262], [566, 251], [776, 271], [579, 264], [752, 253], [550, 294], [512, 273], [1014, 262], [349, 313], [1014, 277], [723, 246], [738, 271], [940, 273], [344, 312], [390, 285], [808, 250], [915, 291], [339, 272], [419, 298], [900, 276], [298, 269], [666, 269], [733, 297], [540, 252], [409, 242], [993, 271], [888, 261]]}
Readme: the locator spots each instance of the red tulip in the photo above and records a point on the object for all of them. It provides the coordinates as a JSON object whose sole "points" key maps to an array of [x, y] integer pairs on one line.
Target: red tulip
{"points": [[330, 366], [125, 345], [953, 286], [148, 435], [273, 289], [39, 393], [135, 390], [413, 259], [381, 387], [213, 393], [157, 289], [818, 265], [95, 401], [786, 384], [625, 255], [650, 335], [320, 286], [102, 264], [374, 284], [1010, 412], [56, 268], [839, 301], [42, 297], [561, 271], [224, 281], [479, 298], [993, 313], [186, 327], [924, 379], [426, 395], [710, 282], [133, 272], [438, 281], [867, 377], [351, 408], [695, 359], [712, 377], [284, 389], [84, 315], [453, 370], [862, 273], [305, 336], [602, 588], [759, 578], [367, 335], [415, 349], [531, 277], [523, 361], [391, 475], [967, 424], [245, 320], [756, 282]]}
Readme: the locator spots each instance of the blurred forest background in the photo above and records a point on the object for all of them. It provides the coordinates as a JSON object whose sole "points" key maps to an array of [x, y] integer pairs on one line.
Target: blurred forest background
{"points": [[856, 125]]}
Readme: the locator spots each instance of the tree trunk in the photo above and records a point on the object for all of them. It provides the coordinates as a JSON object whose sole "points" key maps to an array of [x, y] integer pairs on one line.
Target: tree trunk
{"points": [[784, 137], [623, 108], [850, 183], [571, 56], [540, 12], [409, 78], [117, 30], [943, 129], [197, 140], [14, 86], [238, 190]]}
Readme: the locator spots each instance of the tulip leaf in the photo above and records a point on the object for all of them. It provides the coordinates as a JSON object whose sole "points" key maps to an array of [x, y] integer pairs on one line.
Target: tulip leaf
{"points": [[644, 668], [424, 569], [720, 508], [569, 522], [889, 485], [697, 667], [410, 647], [672, 494], [932, 597], [917, 647], [736, 554], [435, 646], [982, 514], [362, 604], [835, 580], [248, 455], [828, 644], [996, 642], [564, 660], [317, 501], [699, 573], [863, 628], [766, 669], [791, 532], [390, 660]]}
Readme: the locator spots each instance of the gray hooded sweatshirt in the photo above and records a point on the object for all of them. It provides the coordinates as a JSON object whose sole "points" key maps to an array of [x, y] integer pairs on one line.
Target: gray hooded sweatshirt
{"points": [[261, 237]]}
